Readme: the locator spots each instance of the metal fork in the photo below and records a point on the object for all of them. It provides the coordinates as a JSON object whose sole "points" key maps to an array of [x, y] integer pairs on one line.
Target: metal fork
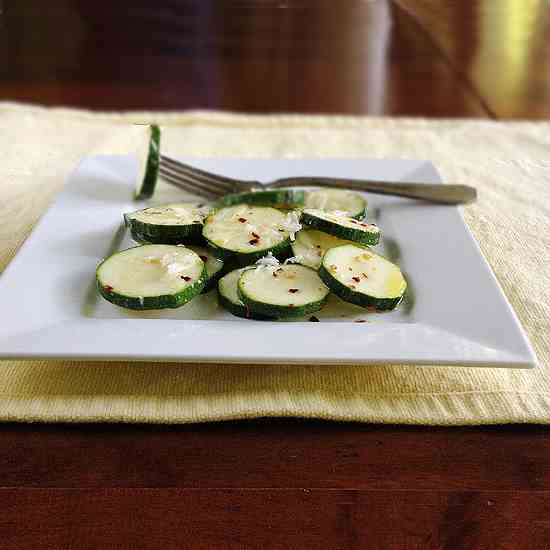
{"points": [[212, 186]]}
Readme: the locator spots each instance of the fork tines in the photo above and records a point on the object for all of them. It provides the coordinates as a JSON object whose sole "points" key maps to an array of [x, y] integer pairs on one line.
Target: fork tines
{"points": [[194, 180]]}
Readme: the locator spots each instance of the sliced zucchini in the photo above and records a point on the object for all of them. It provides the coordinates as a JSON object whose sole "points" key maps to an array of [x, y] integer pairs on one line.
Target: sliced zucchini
{"points": [[149, 162], [341, 226], [277, 198], [340, 200], [168, 224], [214, 266], [228, 296], [310, 246], [361, 277], [246, 233], [153, 276], [290, 290]]}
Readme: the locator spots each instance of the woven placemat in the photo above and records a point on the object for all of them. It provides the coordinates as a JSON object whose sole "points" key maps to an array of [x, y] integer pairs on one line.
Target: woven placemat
{"points": [[509, 164]]}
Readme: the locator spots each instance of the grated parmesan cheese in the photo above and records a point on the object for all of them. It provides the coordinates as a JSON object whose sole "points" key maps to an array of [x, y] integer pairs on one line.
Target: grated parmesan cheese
{"points": [[273, 264], [169, 258], [185, 213], [173, 262], [268, 262], [294, 260], [292, 224]]}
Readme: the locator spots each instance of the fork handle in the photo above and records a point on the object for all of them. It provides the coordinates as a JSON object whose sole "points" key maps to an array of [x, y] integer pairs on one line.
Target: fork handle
{"points": [[443, 194]]}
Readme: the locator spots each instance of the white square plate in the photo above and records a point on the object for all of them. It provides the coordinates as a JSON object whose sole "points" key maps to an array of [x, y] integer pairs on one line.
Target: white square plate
{"points": [[454, 312]]}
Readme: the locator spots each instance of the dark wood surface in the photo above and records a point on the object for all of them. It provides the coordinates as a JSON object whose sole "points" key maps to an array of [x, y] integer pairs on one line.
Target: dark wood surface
{"points": [[274, 484], [278, 454], [277, 483], [500, 48], [410, 57]]}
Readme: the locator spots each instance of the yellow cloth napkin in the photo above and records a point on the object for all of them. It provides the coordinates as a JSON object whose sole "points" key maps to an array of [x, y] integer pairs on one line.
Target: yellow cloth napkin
{"points": [[509, 163]]}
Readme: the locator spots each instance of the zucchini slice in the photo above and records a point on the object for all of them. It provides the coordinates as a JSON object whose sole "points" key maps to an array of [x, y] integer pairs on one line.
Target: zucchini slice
{"points": [[214, 266], [361, 277], [290, 290], [168, 224], [152, 276], [341, 226], [246, 233], [277, 198], [353, 204], [310, 246], [149, 162], [228, 297]]}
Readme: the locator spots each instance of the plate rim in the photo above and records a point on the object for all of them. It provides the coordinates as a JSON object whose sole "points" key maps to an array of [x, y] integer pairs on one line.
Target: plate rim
{"points": [[49, 339]]}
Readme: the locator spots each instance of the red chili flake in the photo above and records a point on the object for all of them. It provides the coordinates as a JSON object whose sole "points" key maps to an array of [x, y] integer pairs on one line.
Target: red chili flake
{"points": [[242, 220], [290, 305], [356, 279], [314, 319], [203, 258], [253, 241], [255, 235], [108, 288], [185, 278], [293, 290], [371, 309]]}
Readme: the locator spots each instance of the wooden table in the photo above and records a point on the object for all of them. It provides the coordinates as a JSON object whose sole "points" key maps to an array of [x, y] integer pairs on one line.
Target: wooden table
{"points": [[278, 483]]}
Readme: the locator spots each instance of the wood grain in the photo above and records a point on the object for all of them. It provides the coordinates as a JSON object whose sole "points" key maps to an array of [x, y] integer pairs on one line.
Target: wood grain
{"points": [[271, 519], [276, 454], [268, 56]]}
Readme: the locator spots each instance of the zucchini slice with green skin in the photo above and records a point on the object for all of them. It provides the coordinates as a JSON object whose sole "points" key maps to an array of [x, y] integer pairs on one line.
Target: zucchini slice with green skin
{"points": [[290, 290], [359, 276], [310, 246], [340, 200], [228, 297], [277, 198], [176, 223], [341, 226], [214, 266], [149, 162], [152, 276], [246, 233]]}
